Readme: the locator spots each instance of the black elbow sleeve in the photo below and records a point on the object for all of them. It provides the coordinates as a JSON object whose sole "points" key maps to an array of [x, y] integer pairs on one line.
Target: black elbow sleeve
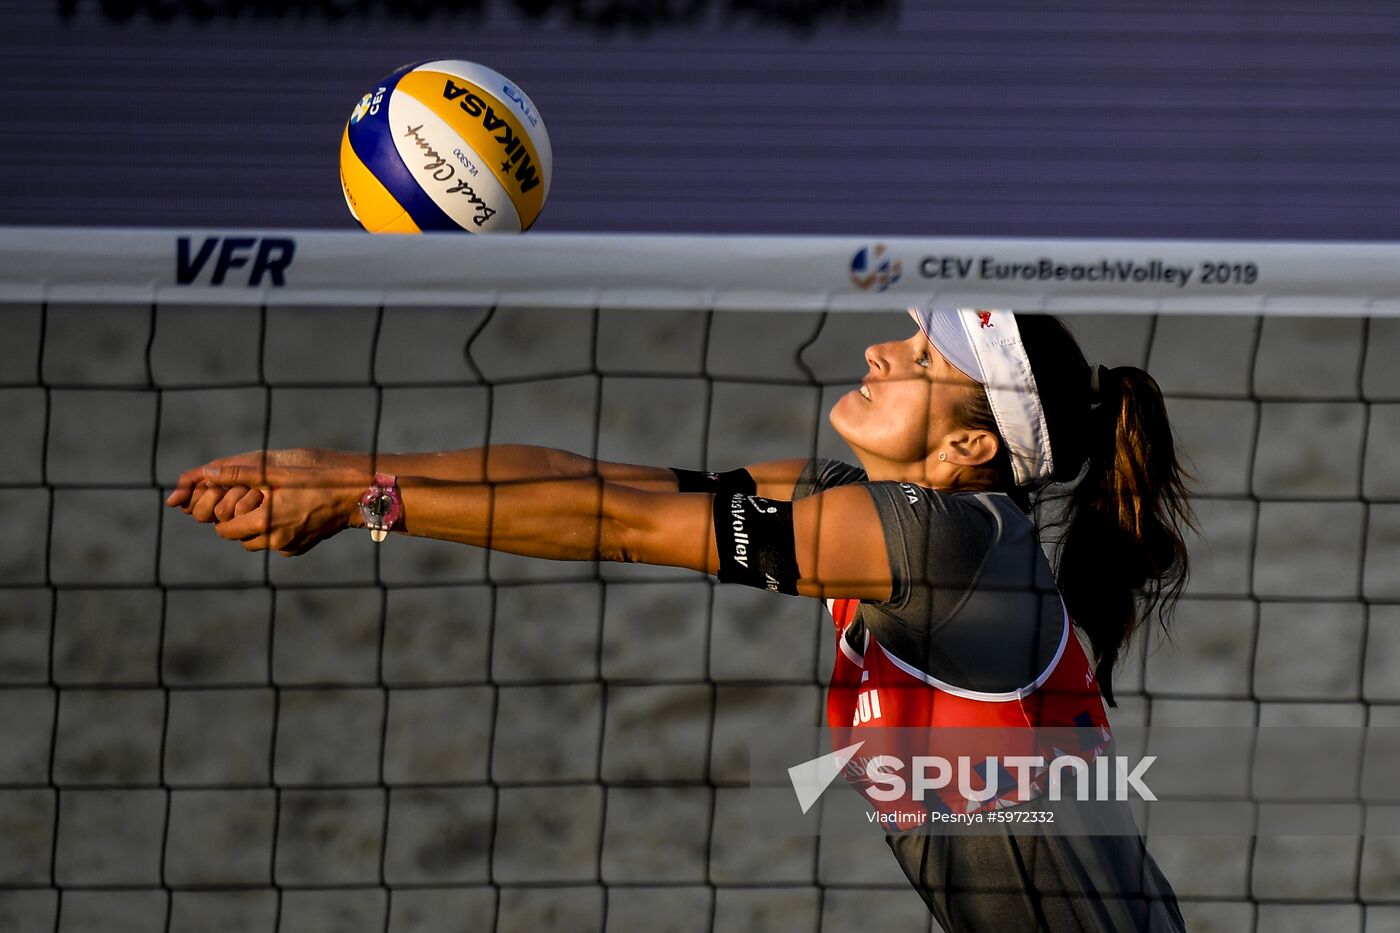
{"points": [[754, 537]]}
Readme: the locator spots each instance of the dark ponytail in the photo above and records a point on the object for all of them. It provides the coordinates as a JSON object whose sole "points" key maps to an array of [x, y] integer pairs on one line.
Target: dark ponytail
{"points": [[1122, 557], [1124, 507]]}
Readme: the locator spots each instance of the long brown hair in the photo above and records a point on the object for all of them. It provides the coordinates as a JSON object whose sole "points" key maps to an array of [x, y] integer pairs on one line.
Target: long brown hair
{"points": [[1118, 485]]}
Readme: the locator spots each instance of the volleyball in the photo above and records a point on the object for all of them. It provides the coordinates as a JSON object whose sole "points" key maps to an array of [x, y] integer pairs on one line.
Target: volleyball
{"points": [[445, 145]]}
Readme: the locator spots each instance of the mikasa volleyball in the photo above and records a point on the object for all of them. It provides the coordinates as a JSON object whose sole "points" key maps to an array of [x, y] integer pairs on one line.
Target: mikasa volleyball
{"points": [[445, 145]]}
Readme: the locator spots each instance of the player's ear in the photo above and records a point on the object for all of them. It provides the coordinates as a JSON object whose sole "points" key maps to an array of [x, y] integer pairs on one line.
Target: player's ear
{"points": [[971, 446]]}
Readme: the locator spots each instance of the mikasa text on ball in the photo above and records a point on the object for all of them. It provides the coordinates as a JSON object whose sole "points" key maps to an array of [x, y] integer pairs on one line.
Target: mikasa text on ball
{"points": [[445, 145]]}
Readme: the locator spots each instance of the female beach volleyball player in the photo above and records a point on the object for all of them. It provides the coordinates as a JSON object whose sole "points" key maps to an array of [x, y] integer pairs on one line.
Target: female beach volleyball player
{"points": [[943, 599]]}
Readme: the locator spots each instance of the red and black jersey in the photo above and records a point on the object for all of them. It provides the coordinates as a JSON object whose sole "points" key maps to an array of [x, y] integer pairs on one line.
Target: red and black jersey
{"points": [[871, 688], [974, 634]]}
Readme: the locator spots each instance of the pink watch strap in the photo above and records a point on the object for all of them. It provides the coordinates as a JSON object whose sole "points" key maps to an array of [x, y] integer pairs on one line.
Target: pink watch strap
{"points": [[377, 518]]}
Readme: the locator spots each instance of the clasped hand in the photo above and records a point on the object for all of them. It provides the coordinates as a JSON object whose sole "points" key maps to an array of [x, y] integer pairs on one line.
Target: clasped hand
{"points": [[280, 500]]}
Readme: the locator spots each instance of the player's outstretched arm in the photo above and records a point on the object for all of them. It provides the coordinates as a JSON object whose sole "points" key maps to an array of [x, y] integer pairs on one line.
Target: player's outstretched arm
{"points": [[499, 463], [836, 539], [195, 495]]}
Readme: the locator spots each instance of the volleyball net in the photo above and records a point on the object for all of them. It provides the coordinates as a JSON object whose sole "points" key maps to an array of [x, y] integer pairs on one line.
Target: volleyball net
{"points": [[424, 736]]}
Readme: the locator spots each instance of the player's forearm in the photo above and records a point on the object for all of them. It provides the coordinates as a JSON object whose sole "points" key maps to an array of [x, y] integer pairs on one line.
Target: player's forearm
{"points": [[503, 463], [569, 519]]}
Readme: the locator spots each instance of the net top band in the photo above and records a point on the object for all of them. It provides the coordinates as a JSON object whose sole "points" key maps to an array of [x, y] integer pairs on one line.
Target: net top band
{"points": [[741, 273]]}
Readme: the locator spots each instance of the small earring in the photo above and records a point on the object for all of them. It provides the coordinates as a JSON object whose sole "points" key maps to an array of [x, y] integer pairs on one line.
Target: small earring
{"points": [[942, 455]]}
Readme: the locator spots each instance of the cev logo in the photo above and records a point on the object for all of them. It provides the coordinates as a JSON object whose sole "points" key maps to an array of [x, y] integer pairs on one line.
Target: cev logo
{"points": [[873, 268], [361, 108]]}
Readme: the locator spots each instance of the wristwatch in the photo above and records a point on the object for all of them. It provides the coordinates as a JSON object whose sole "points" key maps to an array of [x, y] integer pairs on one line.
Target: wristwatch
{"points": [[381, 506]]}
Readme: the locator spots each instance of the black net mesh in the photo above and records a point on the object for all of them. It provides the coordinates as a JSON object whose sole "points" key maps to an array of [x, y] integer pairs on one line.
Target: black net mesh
{"points": [[421, 736]]}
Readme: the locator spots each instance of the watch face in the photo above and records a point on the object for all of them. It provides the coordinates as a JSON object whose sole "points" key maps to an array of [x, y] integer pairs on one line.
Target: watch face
{"points": [[379, 506]]}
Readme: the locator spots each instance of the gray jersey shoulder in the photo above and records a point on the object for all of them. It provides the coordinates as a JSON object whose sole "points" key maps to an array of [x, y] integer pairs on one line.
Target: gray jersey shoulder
{"points": [[974, 604]]}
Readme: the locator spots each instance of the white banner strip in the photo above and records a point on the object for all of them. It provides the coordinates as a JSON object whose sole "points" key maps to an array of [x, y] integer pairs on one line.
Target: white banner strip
{"points": [[778, 273]]}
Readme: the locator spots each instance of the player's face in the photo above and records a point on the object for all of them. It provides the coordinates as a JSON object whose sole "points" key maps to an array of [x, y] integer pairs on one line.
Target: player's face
{"points": [[905, 404]]}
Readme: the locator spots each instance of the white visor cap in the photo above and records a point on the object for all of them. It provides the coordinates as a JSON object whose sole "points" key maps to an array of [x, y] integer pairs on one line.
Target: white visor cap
{"points": [[986, 347]]}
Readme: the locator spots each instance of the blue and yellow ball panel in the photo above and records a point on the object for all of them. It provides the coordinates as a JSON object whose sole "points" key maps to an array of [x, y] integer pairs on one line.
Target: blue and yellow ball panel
{"points": [[370, 202], [371, 145]]}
